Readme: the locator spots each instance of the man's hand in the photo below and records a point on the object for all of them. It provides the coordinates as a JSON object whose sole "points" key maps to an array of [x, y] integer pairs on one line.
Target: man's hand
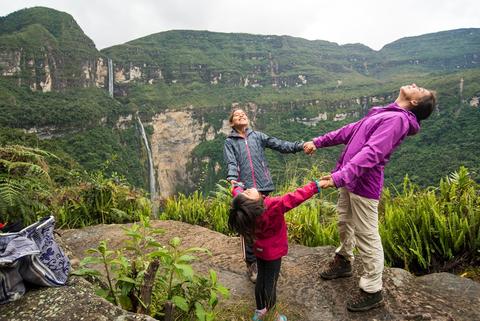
{"points": [[309, 148], [326, 182]]}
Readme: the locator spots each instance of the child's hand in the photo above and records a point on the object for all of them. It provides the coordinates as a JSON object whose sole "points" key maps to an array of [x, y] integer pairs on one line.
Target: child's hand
{"points": [[326, 182], [309, 148]]}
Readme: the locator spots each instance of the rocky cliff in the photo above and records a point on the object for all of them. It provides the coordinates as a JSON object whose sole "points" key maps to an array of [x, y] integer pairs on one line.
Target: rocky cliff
{"points": [[175, 135]]}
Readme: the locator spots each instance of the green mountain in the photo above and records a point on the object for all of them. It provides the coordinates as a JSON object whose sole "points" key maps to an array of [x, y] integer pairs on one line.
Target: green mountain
{"points": [[47, 50], [183, 83]]}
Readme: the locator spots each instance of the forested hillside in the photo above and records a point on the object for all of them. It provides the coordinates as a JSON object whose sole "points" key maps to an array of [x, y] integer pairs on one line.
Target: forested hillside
{"points": [[54, 92]]}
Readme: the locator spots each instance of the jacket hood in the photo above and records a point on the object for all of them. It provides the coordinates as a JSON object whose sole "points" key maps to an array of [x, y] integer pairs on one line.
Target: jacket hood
{"points": [[412, 120], [234, 133]]}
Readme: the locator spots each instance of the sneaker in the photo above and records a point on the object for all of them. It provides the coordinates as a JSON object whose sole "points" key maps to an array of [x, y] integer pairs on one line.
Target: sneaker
{"points": [[252, 271], [365, 301], [259, 314], [280, 317], [340, 267]]}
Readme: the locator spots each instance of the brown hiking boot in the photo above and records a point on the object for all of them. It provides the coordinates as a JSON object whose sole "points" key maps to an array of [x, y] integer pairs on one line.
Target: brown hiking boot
{"points": [[365, 301], [340, 267]]}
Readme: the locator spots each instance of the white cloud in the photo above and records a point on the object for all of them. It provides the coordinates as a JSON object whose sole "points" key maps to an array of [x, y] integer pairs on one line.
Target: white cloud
{"points": [[371, 22]]}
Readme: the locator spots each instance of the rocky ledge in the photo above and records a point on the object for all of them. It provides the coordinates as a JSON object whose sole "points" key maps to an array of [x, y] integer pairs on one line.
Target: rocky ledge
{"points": [[439, 297]]}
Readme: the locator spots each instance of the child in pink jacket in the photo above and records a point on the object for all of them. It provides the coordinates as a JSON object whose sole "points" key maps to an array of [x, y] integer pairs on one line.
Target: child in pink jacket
{"points": [[261, 221]]}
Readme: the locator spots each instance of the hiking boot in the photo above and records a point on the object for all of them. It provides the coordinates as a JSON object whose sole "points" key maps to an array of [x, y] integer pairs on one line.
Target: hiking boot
{"points": [[340, 267], [252, 271], [365, 301]]}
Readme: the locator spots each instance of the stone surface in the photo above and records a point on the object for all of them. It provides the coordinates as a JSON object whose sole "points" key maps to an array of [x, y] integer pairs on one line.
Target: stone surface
{"points": [[439, 297], [75, 301]]}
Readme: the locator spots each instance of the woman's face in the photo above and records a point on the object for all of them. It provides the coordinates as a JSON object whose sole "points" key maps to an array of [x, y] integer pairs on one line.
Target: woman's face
{"points": [[252, 193], [239, 119]]}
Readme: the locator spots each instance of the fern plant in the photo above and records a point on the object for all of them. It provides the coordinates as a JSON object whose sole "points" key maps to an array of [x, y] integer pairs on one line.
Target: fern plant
{"points": [[25, 184]]}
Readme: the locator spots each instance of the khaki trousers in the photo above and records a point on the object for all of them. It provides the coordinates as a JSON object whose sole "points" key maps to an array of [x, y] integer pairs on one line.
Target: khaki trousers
{"points": [[358, 226]]}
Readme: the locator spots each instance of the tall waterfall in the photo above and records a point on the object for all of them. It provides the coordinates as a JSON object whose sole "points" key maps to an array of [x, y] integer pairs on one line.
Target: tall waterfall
{"points": [[461, 90], [110, 77], [151, 169]]}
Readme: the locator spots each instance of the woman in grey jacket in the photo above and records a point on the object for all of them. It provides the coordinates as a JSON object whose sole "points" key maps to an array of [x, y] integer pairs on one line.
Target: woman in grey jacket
{"points": [[244, 153]]}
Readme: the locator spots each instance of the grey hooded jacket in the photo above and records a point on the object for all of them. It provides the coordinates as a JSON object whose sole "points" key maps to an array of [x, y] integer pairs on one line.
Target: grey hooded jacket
{"points": [[245, 158]]}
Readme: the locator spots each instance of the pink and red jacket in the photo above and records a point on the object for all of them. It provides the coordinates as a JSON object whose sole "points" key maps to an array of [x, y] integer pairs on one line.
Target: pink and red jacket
{"points": [[369, 144], [271, 242]]}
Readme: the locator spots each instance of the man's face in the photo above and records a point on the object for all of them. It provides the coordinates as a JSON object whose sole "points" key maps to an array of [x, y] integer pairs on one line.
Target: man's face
{"points": [[239, 119], [413, 93]]}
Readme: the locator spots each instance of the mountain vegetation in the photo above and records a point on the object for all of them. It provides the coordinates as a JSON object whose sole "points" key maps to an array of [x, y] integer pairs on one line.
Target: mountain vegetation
{"points": [[289, 80]]}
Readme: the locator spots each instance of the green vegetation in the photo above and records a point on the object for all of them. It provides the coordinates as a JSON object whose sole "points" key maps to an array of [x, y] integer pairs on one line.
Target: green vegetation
{"points": [[423, 230], [24, 183], [27, 192], [46, 37], [433, 230], [148, 277], [70, 111]]}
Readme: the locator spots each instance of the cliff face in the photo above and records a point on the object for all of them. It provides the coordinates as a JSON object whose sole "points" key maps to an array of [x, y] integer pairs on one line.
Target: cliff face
{"points": [[49, 70], [175, 135]]}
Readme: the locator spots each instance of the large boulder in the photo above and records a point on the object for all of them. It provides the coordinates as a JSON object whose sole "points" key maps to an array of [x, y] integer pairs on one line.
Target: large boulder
{"points": [[72, 302], [439, 297]]}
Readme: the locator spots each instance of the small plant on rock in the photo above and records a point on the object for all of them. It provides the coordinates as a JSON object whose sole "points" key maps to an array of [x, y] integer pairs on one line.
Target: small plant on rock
{"points": [[146, 277]]}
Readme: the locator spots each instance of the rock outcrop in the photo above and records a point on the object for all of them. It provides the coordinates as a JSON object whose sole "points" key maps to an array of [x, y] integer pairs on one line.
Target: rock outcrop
{"points": [[439, 297], [74, 301], [175, 135]]}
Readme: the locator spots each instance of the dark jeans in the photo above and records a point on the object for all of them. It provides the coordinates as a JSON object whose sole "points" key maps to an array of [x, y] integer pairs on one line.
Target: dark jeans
{"points": [[266, 286]]}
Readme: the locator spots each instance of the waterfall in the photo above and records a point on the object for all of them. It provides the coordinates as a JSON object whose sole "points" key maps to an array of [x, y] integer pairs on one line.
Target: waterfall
{"points": [[461, 90], [110, 77], [151, 170]]}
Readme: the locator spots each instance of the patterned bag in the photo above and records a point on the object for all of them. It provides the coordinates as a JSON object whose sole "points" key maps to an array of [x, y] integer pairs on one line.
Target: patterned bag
{"points": [[31, 255]]}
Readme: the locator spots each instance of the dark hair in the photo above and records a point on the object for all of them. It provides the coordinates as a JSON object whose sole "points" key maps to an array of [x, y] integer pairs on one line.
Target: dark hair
{"points": [[425, 106], [243, 214]]}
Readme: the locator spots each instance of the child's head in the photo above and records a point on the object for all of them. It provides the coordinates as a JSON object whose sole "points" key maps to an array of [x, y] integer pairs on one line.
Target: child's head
{"points": [[238, 118], [244, 210], [420, 100]]}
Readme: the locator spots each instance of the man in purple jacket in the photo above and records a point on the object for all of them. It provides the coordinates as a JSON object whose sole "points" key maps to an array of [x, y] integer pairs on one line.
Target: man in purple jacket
{"points": [[359, 177]]}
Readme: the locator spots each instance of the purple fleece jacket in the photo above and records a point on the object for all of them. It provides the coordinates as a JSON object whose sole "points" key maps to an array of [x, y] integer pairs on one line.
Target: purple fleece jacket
{"points": [[369, 144]]}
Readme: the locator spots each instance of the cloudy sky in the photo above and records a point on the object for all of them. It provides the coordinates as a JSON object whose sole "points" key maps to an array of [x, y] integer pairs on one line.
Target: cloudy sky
{"points": [[371, 22]]}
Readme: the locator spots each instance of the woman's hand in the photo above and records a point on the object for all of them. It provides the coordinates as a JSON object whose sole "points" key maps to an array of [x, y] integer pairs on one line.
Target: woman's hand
{"points": [[309, 148], [326, 182]]}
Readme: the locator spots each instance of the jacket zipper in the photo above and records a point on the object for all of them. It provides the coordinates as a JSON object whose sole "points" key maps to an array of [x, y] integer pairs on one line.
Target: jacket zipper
{"points": [[251, 163]]}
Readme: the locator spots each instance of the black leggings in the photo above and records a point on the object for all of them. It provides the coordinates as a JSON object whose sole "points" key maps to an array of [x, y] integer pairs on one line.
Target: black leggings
{"points": [[266, 285]]}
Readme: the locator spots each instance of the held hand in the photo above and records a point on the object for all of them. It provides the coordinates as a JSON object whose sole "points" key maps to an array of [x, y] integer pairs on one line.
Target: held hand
{"points": [[326, 182], [309, 148], [233, 182]]}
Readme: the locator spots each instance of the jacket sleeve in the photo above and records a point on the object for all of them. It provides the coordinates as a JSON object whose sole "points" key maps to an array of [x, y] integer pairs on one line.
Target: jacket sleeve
{"points": [[279, 145], [336, 137], [380, 144], [294, 199], [230, 160]]}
